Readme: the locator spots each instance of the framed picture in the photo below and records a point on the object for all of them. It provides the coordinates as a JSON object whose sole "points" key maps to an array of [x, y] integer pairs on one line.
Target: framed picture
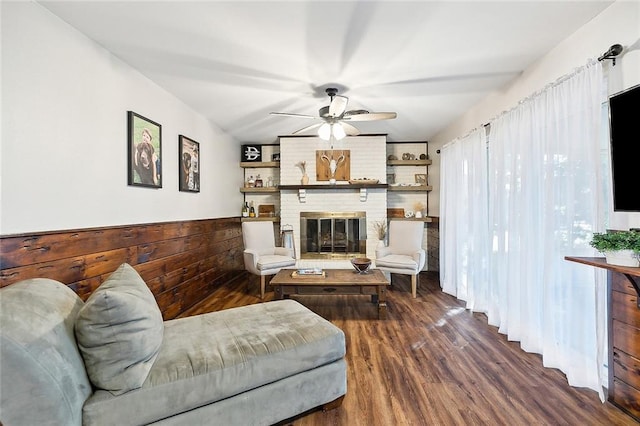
{"points": [[145, 151], [189, 164], [251, 153], [421, 178], [391, 178]]}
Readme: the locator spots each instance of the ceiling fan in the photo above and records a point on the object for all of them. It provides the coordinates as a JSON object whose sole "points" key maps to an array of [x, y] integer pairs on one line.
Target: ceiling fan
{"points": [[335, 117]]}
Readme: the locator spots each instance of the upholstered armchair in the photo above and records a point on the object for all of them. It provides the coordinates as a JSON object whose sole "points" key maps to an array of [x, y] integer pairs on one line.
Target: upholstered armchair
{"points": [[405, 254], [261, 256]]}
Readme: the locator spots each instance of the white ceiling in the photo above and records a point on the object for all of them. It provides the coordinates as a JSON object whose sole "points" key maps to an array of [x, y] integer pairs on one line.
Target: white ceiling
{"points": [[236, 61]]}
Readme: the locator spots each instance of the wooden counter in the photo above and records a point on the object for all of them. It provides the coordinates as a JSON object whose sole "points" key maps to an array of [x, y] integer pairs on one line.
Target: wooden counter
{"points": [[624, 333]]}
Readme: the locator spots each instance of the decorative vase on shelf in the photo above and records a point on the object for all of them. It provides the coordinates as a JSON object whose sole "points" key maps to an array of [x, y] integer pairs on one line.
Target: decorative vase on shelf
{"points": [[305, 179]]}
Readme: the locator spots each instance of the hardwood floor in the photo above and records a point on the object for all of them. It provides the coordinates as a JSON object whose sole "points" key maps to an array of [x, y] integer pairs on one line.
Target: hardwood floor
{"points": [[431, 362]]}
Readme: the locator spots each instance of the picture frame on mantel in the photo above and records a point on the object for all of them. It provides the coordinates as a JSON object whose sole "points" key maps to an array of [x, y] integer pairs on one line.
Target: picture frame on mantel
{"points": [[144, 151], [338, 160], [421, 178], [189, 164], [391, 178]]}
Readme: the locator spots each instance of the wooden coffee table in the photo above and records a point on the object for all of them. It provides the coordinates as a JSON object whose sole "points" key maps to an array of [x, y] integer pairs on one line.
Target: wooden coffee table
{"points": [[335, 281]]}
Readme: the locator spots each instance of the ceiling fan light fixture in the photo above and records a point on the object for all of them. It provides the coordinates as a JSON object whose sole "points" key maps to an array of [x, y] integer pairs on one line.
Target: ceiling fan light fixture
{"points": [[336, 125], [338, 131], [324, 131]]}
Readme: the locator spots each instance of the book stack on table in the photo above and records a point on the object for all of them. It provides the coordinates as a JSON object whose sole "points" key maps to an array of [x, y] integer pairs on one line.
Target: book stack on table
{"points": [[308, 272]]}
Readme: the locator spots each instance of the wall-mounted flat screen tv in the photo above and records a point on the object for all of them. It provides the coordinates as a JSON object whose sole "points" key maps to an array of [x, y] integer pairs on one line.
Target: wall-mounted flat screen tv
{"points": [[624, 126]]}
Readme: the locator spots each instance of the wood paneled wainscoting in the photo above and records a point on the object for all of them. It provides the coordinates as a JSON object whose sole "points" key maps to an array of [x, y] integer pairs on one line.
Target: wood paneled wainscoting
{"points": [[182, 262]]}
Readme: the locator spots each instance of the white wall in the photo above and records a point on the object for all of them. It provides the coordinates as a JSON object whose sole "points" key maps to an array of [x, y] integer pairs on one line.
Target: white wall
{"points": [[618, 24], [63, 152]]}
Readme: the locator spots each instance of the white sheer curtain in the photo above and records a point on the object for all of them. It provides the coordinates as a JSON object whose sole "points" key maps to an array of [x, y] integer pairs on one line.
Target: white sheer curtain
{"points": [[543, 203], [464, 219]]}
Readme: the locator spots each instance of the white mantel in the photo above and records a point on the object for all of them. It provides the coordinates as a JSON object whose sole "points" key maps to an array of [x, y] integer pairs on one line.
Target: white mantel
{"points": [[368, 160]]}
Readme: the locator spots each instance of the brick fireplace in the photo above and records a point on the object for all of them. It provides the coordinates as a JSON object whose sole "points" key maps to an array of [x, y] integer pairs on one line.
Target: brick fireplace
{"points": [[367, 160], [333, 235]]}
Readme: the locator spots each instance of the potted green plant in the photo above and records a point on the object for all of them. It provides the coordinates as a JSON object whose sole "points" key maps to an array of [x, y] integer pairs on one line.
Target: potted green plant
{"points": [[619, 247]]}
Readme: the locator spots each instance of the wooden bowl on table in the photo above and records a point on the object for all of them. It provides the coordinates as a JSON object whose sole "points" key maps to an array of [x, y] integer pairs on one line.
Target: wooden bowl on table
{"points": [[361, 264]]}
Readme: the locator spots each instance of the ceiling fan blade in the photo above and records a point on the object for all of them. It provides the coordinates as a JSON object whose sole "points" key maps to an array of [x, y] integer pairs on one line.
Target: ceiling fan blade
{"points": [[290, 114], [370, 116], [349, 129], [305, 129], [338, 105]]}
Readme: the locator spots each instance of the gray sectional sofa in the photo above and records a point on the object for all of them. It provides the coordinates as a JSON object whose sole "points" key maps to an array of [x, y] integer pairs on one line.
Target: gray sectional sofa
{"points": [[112, 360]]}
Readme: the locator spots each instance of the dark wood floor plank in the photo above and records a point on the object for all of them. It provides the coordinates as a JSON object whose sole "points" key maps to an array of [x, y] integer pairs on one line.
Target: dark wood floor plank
{"points": [[431, 362]]}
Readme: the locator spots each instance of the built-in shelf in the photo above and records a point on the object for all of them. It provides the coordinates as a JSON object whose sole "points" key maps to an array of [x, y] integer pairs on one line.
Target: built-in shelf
{"points": [[261, 219], [403, 190], [408, 188], [416, 219], [409, 162], [402, 194], [264, 189], [260, 164]]}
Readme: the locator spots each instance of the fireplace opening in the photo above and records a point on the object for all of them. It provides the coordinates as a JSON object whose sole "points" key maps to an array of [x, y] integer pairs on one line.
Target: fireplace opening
{"points": [[333, 235]]}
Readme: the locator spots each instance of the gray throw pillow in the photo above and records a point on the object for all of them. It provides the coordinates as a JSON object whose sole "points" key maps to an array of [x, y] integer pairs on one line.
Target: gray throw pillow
{"points": [[119, 332]]}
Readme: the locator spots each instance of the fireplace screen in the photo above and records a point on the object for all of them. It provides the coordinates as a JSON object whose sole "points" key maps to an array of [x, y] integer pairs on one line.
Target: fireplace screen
{"points": [[332, 234]]}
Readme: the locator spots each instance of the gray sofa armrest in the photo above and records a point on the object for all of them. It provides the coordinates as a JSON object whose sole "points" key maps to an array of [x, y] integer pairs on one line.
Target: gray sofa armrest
{"points": [[42, 375]]}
